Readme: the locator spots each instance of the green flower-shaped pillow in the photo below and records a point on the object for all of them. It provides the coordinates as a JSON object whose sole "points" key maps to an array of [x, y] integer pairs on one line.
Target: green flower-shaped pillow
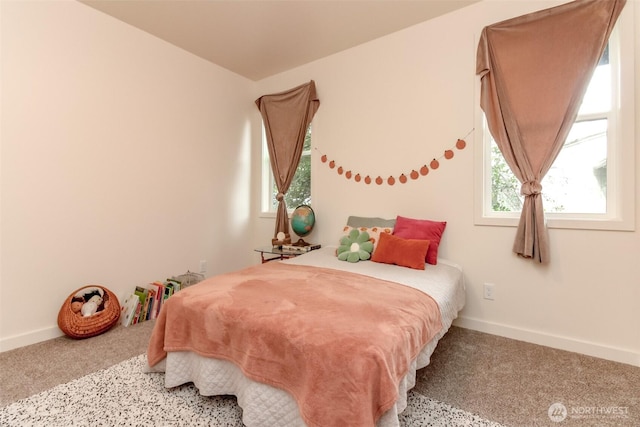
{"points": [[355, 246]]}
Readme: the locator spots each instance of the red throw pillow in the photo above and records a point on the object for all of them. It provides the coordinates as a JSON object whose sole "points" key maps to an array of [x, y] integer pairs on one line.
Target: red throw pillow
{"points": [[405, 252], [409, 228]]}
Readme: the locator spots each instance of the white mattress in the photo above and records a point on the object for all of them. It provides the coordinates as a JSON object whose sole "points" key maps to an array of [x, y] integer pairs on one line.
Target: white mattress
{"points": [[267, 406]]}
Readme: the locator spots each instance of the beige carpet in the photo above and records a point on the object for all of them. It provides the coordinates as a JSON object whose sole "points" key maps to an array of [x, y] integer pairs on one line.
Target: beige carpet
{"points": [[506, 381]]}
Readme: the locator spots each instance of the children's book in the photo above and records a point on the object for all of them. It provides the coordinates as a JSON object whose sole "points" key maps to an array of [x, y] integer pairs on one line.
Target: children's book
{"points": [[128, 309], [159, 298], [142, 293]]}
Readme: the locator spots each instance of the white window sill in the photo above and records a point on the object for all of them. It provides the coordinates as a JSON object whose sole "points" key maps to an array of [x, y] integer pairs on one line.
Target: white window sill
{"points": [[578, 222]]}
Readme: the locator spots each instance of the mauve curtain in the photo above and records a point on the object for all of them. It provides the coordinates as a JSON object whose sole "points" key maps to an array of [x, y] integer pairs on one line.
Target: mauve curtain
{"points": [[535, 70], [286, 116]]}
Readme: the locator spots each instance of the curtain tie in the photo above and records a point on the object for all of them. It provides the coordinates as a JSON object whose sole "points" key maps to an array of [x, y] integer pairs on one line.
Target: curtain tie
{"points": [[279, 197], [530, 188]]}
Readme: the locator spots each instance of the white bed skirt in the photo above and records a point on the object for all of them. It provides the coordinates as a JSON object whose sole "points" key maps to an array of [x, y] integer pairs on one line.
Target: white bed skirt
{"points": [[263, 405]]}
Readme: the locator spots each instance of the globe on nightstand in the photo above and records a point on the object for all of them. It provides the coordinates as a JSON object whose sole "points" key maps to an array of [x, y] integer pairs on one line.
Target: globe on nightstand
{"points": [[302, 221]]}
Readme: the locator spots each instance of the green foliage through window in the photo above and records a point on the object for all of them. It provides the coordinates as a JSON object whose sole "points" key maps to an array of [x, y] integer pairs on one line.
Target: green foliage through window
{"points": [[300, 190]]}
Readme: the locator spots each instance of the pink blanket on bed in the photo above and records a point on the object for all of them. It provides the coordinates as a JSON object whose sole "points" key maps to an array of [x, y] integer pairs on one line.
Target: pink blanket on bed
{"points": [[339, 342]]}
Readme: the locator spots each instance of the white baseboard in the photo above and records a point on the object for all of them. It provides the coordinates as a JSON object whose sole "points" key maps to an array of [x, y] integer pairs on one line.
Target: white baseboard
{"points": [[29, 338], [555, 341]]}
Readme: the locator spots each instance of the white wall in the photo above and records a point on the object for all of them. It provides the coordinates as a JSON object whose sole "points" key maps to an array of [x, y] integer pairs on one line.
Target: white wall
{"points": [[123, 160], [390, 106]]}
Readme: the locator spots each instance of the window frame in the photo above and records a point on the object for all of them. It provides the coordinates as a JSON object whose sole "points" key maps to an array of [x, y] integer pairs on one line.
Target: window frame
{"points": [[620, 213]]}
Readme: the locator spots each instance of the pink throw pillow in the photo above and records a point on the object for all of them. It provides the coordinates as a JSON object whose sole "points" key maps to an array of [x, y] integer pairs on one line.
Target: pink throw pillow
{"points": [[423, 229]]}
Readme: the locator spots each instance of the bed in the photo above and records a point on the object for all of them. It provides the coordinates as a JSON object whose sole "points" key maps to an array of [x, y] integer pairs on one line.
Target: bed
{"points": [[319, 395]]}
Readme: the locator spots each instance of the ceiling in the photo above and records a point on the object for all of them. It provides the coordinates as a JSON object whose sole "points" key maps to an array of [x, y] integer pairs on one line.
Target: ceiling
{"points": [[260, 38]]}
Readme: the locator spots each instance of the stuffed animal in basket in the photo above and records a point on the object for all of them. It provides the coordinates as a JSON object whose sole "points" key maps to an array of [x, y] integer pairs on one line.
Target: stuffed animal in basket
{"points": [[90, 307], [76, 304]]}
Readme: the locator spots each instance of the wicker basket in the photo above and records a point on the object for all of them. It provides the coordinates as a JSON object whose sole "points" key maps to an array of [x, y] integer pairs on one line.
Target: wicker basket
{"points": [[77, 326]]}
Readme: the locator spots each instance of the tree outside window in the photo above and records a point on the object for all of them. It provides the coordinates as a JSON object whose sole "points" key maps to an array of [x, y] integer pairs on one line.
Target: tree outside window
{"points": [[300, 189]]}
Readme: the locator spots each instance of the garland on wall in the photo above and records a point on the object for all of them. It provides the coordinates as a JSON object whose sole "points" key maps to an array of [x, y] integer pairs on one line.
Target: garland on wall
{"points": [[402, 178]]}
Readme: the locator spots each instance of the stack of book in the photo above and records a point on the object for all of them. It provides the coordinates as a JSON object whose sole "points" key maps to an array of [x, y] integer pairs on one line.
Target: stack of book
{"points": [[146, 300], [302, 249]]}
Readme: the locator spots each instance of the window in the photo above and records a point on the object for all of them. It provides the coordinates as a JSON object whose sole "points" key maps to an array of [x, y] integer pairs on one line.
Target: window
{"points": [[590, 184], [300, 190]]}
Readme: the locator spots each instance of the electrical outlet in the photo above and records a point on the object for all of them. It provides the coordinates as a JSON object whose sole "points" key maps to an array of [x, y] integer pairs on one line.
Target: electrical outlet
{"points": [[203, 266], [488, 291]]}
